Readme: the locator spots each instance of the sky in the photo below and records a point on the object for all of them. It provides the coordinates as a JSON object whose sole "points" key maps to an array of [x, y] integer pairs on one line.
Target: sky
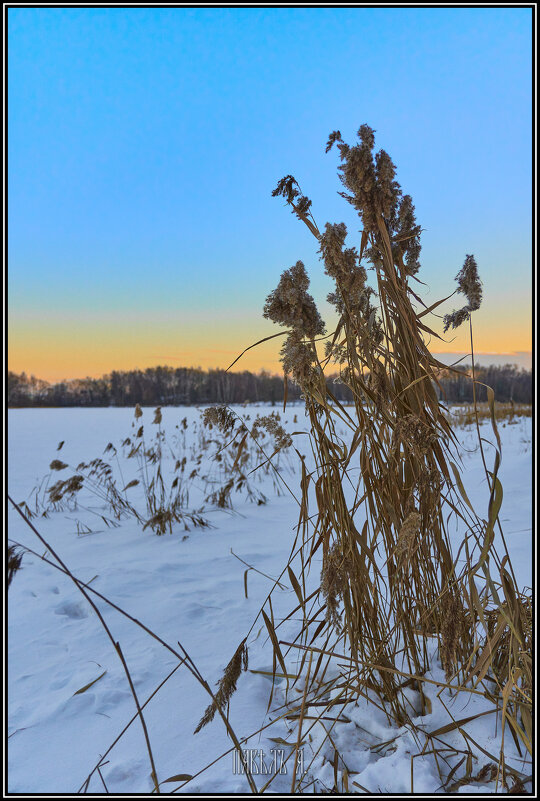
{"points": [[144, 144]]}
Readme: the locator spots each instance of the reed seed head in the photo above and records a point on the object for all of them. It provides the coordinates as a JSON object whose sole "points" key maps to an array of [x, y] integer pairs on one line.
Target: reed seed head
{"points": [[451, 631], [56, 464], [271, 424], [334, 583], [358, 175], [407, 235], [343, 265], [62, 488], [220, 417], [388, 189], [298, 361], [227, 684], [334, 137], [408, 534], [414, 432], [290, 304], [469, 284], [289, 188]]}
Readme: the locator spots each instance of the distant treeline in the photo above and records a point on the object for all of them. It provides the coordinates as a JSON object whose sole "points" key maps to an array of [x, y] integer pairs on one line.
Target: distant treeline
{"points": [[164, 386]]}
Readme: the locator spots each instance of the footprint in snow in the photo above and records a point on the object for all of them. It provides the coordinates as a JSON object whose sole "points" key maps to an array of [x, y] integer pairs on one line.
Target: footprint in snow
{"points": [[71, 609], [111, 700], [123, 772], [59, 684]]}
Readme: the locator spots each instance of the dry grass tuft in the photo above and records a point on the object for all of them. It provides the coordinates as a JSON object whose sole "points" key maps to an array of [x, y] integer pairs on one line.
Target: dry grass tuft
{"points": [[14, 559]]}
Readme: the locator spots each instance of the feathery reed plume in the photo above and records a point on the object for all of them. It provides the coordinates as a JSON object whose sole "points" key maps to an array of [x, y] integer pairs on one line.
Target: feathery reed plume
{"points": [[359, 177], [379, 385], [451, 631], [220, 417], [407, 535], [343, 265], [291, 304], [469, 284], [63, 489], [289, 188], [271, 424], [286, 188], [413, 431], [334, 137], [299, 361], [333, 584], [388, 189], [407, 236], [56, 464], [138, 411], [227, 685]]}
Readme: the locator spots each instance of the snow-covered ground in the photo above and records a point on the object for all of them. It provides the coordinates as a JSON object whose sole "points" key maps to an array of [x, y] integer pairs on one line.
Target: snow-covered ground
{"points": [[189, 587]]}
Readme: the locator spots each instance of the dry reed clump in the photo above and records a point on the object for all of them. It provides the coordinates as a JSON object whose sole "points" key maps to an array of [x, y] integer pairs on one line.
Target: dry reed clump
{"points": [[222, 496], [409, 489], [221, 442], [238, 456], [467, 414], [162, 520], [164, 492]]}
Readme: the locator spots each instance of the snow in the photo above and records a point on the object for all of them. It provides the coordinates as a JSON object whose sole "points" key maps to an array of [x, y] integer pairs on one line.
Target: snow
{"points": [[189, 587]]}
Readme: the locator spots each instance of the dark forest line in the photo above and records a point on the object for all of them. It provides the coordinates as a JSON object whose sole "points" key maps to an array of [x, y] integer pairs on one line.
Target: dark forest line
{"points": [[175, 386]]}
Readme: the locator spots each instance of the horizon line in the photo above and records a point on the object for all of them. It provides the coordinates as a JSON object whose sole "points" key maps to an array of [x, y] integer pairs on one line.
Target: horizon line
{"points": [[450, 358]]}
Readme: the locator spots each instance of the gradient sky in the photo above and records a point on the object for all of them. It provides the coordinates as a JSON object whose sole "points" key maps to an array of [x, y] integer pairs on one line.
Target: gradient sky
{"points": [[144, 145]]}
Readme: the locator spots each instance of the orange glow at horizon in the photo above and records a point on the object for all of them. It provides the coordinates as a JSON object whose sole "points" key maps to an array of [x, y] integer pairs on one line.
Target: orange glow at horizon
{"points": [[90, 348]]}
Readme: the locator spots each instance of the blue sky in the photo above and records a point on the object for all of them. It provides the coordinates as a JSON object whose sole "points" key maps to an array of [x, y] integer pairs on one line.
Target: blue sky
{"points": [[144, 145]]}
